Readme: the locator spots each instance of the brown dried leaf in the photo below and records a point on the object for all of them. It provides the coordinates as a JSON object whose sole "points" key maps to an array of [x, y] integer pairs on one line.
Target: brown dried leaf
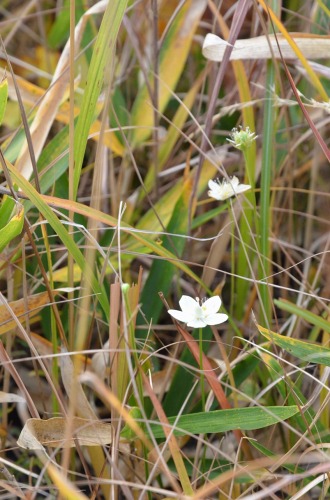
{"points": [[30, 306], [38, 433], [262, 47], [74, 389]]}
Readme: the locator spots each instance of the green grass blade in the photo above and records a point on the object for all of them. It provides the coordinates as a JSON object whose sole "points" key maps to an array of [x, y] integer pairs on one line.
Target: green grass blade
{"points": [[226, 420], [182, 380], [62, 233], [267, 162], [13, 228], [3, 98], [312, 318], [291, 393], [266, 176], [103, 53], [312, 353], [6, 209], [162, 271]]}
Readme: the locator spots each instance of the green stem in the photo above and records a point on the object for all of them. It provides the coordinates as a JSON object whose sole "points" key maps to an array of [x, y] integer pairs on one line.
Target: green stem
{"points": [[201, 367], [249, 220], [232, 259], [265, 183]]}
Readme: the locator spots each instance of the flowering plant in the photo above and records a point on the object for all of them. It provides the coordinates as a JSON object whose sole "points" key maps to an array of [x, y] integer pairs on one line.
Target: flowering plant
{"points": [[225, 189], [198, 314], [242, 138]]}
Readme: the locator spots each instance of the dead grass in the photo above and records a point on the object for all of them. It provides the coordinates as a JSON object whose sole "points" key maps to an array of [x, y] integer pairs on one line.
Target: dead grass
{"points": [[111, 132]]}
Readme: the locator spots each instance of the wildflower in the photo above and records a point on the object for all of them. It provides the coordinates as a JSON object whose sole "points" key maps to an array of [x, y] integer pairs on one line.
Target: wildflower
{"points": [[225, 189], [197, 313], [242, 139]]}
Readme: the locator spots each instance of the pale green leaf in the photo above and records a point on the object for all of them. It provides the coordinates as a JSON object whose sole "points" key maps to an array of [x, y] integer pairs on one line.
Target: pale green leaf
{"points": [[312, 353], [13, 228], [3, 98], [226, 420], [103, 53]]}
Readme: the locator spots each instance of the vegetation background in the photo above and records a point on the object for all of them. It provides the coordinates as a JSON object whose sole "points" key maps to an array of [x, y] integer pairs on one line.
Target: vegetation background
{"points": [[113, 121]]}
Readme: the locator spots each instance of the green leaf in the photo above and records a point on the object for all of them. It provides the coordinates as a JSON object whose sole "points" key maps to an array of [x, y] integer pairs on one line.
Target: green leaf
{"points": [[164, 206], [205, 217], [3, 98], [62, 233], [245, 419], [103, 53], [127, 432], [60, 30], [181, 393], [11, 148], [312, 353], [6, 210], [290, 392], [268, 453], [162, 271], [13, 228], [312, 318]]}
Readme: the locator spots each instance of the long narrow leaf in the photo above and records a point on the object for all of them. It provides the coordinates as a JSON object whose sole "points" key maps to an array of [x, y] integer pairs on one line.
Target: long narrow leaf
{"points": [[309, 316], [102, 55], [173, 55], [62, 233], [226, 420], [312, 353]]}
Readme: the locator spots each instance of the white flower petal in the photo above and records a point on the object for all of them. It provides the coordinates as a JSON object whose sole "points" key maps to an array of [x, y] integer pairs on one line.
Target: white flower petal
{"points": [[179, 315], [224, 190], [213, 185], [214, 194], [234, 182], [188, 304], [215, 189], [242, 187], [216, 319], [212, 305], [197, 323], [196, 315]]}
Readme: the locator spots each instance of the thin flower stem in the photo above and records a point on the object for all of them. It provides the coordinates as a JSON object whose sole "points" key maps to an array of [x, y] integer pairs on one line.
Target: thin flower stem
{"points": [[201, 367], [232, 259], [248, 222]]}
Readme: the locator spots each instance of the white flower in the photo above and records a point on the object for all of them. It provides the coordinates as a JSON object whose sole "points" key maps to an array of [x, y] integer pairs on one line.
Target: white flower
{"points": [[225, 189], [199, 314]]}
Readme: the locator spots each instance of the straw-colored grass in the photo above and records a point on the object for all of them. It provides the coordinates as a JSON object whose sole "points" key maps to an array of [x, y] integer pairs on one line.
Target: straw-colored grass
{"points": [[114, 118]]}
